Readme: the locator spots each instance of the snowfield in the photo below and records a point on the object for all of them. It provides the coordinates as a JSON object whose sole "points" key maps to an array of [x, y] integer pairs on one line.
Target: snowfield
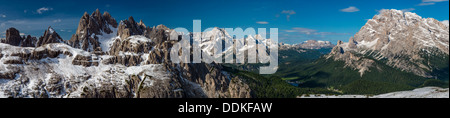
{"points": [[37, 76], [426, 92]]}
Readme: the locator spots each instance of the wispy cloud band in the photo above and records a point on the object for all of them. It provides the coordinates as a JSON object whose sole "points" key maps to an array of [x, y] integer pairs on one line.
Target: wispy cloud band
{"points": [[43, 9], [430, 2], [262, 22]]}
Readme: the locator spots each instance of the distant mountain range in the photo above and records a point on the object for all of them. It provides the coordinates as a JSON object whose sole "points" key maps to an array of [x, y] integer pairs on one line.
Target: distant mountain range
{"points": [[309, 44]]}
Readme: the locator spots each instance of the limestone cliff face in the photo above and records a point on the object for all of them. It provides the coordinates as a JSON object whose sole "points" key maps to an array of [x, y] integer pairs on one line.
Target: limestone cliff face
{"points": [[403, 39]]}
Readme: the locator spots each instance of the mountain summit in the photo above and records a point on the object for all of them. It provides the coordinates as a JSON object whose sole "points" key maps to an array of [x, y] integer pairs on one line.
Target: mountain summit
{"points": [[50, 36], [92, 30], [402, 40]]}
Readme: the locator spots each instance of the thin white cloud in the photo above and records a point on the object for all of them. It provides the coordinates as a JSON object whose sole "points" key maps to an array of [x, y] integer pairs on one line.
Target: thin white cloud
{"points": [[3, 15], [408, 10], [262, 22], [288, 13], [350, 9], [430, 2], [43, 9], [426, 3], [302, 30], [308, 31]]}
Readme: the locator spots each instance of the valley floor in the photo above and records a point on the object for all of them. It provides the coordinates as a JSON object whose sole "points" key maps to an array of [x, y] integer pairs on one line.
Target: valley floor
{"points": [[426, 92]]}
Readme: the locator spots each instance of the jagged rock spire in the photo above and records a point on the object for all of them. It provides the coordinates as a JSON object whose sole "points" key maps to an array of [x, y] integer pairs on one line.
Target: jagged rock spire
{"points": [[50, 36], [130, 27], [89, 27]]}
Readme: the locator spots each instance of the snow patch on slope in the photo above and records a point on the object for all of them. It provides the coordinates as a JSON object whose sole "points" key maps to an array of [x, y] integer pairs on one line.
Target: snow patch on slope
{"points": [[137, 39], [78, 77], [445, 22], [106, 40]]}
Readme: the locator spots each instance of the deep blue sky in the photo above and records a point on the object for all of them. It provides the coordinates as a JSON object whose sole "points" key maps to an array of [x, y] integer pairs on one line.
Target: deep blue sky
{"points": [[308, 19]]}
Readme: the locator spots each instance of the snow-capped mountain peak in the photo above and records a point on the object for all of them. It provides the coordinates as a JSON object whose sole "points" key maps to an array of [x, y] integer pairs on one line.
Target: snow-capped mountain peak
{"points": [[394, 33]]}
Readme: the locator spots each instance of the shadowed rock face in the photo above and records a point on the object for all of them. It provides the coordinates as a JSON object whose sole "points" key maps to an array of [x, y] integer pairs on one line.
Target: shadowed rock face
{"points": [[402, 39], [89, 27], [29, 41], [13, 37]]}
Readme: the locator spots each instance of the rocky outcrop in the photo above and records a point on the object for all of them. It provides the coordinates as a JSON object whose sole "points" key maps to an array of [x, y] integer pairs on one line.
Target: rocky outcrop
{"points": [[91, 29], [339, 42], [130, 27], [152, 41], [126, 60], [50, 36], [29, 41], [351, 60], [169, 88], [135, 44], [85, 61], [158, 34], [8, 75], [238, 89], [351, 43], [13, 38]]}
